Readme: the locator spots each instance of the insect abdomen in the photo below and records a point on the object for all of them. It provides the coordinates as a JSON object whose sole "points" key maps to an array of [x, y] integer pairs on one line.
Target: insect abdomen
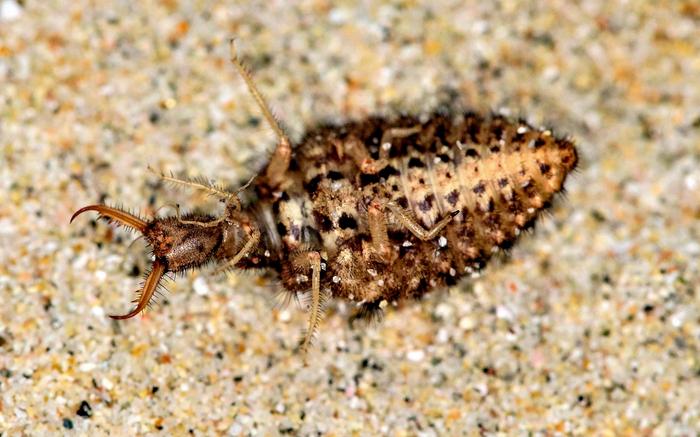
{"points": [[497, 173]]}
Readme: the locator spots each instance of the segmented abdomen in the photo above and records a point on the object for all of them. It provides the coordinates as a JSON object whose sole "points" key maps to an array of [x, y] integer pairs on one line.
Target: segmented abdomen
{"points": [[499, 174]]}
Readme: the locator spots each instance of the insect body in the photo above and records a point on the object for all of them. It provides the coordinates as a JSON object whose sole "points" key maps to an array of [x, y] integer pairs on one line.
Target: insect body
{"points": [[373, 211]]}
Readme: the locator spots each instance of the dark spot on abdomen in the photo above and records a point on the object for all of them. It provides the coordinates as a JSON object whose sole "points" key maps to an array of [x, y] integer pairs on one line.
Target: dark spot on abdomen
{"points": [[293, 165], [473, 129], [325, 224], [347, 221], [312, 186], [281, 229], [388, 171], [415, 163], [335, 175], [426, 204], [366, 179], [453, 197], [497, 130]]}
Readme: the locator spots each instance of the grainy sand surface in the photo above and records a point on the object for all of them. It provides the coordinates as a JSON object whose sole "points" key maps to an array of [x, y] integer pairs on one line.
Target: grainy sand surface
{"points": [[591, 328]]}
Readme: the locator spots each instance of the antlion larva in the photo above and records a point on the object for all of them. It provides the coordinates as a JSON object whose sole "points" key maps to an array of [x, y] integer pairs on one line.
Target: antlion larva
{"points": [[373, 211]]}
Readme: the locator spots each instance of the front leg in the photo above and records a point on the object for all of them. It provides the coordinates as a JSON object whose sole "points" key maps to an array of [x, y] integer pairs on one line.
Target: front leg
{"points": [[249, 245]]}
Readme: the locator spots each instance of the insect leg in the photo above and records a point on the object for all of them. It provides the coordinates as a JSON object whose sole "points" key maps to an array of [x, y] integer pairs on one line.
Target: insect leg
{"points": [[245, 250], [416, 229], [358, 152], [395, 132], [279, 162], [317, 300], [378, 231]]}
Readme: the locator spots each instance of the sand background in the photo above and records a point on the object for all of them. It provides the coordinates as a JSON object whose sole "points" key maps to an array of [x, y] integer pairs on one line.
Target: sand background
{"points": [[591, 328]]}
